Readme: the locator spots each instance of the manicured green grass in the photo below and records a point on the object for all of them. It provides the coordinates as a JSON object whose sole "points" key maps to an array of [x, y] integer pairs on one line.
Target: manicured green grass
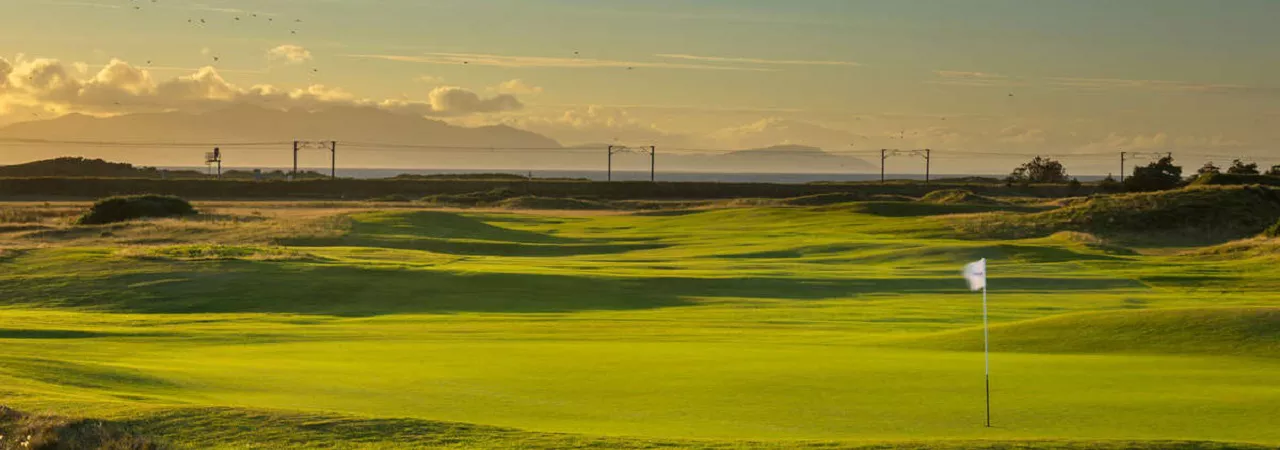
{"points": [[833, 326]]}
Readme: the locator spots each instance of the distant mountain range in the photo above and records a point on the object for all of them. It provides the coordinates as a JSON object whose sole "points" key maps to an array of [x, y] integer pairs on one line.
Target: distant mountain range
{"points": [[362, 135]]}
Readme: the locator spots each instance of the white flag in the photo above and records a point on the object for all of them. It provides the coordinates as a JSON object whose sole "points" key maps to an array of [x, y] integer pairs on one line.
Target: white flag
{"points": [[976, 273]]}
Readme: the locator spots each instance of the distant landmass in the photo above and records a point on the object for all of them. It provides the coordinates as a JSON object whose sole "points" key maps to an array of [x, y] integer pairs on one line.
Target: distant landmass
{"points": [[369, 138]]}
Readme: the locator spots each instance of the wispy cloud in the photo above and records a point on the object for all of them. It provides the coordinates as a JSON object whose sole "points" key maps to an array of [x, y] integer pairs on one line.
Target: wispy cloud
{"points": [[969, 75], [971, 78], [195, 69], [85, 4], [1153, 85], [727, 59], [481, 59], [234, 11], [988, 79]]}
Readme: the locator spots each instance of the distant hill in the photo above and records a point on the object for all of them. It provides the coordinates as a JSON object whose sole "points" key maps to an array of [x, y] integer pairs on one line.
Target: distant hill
{"points": [[82, 167], [363, 135], [244, 123]]}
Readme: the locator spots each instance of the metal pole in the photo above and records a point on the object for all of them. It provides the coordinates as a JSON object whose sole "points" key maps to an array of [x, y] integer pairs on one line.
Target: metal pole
{"points": [[610, 171], [986, 347], [927, 155], [333, 160], [294, 175], [882, 166], [1121, 167], [653, 164]]}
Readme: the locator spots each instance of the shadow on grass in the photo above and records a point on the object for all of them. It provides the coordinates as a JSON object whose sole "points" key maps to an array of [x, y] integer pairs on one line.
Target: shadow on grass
{"points": [[13, 333], [916, 209], [458, 234], [297, 288]]}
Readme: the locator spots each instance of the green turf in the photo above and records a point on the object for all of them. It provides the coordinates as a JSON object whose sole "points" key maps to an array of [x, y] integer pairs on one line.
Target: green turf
{"points": [[743, 327]]}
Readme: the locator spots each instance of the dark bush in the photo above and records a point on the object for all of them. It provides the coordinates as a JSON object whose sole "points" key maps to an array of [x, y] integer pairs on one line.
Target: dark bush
{"points": [[1272, 231], [1157, 176], [120, 209]]}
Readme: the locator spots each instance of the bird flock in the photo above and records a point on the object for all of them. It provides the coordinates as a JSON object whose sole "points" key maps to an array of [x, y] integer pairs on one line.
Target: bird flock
{"points": [[236, 18]]}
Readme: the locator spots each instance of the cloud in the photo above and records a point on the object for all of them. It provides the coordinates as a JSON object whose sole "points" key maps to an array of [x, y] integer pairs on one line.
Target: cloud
{"points": [[598, 124], [1153, 85], [518, 86], [970, 78], [1161, 141], [725, 59], [481, 59], [780, 131], [968, 75], [429, 79], [123, 88], [290, 54]]}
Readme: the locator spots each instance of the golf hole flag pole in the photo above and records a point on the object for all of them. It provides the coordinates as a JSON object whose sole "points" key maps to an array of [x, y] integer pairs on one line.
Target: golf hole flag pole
{"points": [[976, 274]]}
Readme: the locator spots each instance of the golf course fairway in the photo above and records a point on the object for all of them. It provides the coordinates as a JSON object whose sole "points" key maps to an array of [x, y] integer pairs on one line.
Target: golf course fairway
{"points": [[742, 327]]}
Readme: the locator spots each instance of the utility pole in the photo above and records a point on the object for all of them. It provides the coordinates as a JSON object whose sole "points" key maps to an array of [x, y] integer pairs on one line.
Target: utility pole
{"points": [[1122, 167], [883, 156], [333, 160], [294, 174], [610, 167], [653, 164], [928, 155]]}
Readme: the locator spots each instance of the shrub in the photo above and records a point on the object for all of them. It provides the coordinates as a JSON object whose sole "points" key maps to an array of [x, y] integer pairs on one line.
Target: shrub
{"points": [[1239, 167], [120, 209], [1110, 185], [1157, 176], [1039, 170], [1272, 231]]}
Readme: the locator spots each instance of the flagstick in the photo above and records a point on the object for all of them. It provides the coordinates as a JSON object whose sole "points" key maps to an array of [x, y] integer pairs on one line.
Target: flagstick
{"points": [[986, 348]]}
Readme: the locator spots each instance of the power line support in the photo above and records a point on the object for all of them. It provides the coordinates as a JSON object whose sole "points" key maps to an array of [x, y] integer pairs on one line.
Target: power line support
{"points": [[609, 170], [883, 156], [293, 175], [333, 160], [1122, 154], [653, 164], [928, 159]]}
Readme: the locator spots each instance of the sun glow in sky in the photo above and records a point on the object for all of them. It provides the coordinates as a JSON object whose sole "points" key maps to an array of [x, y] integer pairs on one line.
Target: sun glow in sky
{"points": [[982, 75]]}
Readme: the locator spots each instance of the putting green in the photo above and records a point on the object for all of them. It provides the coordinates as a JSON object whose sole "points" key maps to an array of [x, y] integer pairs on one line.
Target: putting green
{"points": [[763, 324]]}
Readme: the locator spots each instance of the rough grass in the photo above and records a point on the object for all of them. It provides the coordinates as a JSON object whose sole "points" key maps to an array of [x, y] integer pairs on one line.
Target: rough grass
{"points": [[19, 431], [551, 203], [214, 252], [959, 197], [1200, 213]]}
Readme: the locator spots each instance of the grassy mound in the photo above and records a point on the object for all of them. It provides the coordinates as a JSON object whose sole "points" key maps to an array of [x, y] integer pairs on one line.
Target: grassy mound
{"points": [[121, 209], [958, 197], [1216, 213], [484, 198], [1216, 331], [1227, 179], [241, 428], [824, 199], [1273, 230], [216, 252], [27, 432], [552, 203]]}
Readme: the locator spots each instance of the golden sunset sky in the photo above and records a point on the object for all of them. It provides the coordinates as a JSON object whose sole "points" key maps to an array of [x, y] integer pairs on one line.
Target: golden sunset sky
{"points": [[1017, 76]]}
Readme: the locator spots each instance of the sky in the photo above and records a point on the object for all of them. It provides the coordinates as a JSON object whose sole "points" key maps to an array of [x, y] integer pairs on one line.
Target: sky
{"points": [[1060, 78]]}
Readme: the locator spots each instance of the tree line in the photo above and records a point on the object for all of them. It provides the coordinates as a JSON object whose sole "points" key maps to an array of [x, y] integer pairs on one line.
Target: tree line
{"points": [[1159, 175]]}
